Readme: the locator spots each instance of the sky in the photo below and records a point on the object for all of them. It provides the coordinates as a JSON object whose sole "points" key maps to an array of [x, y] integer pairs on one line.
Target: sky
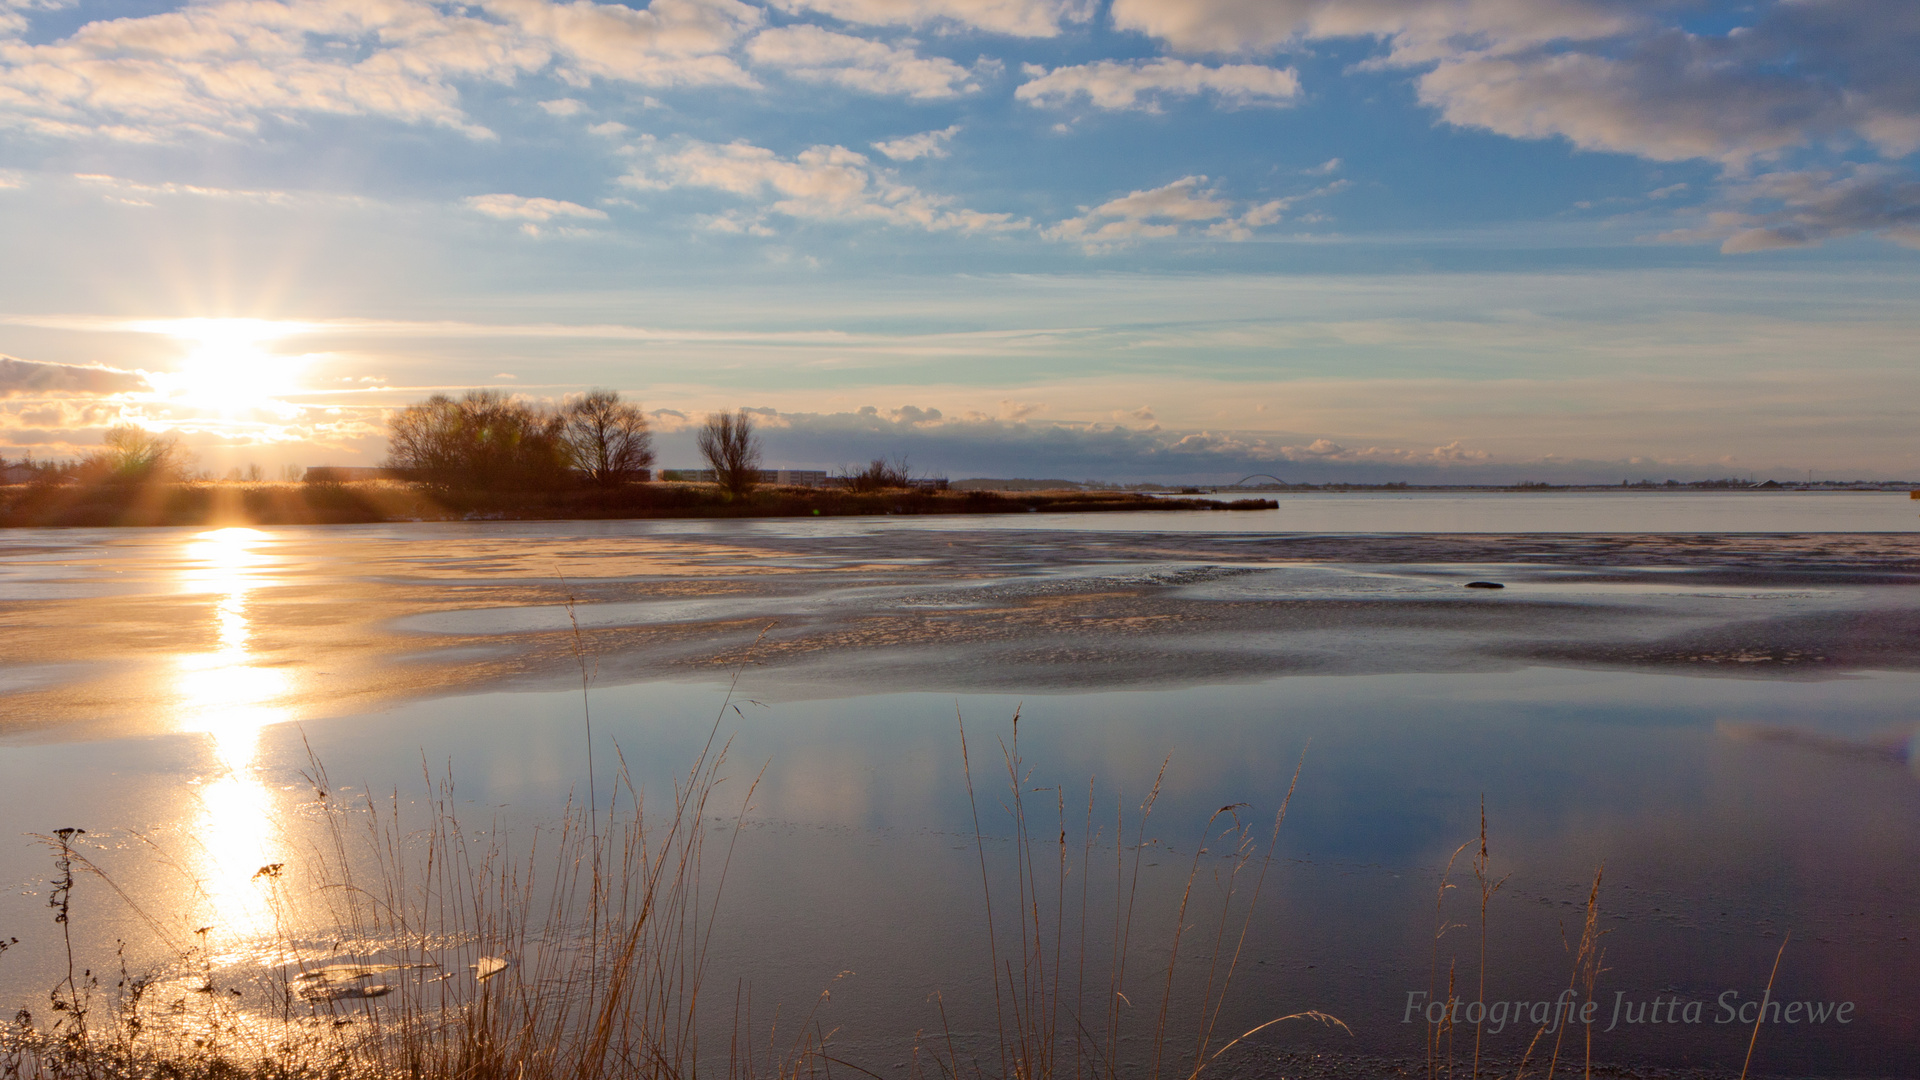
{"points": [[1441, 241]]}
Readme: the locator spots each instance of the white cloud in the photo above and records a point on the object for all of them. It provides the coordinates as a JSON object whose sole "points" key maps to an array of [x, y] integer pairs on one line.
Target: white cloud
{"points": [[822, 183], [522, 208], [666, 43], [225, 68], [564, 107], [222, 68], [1175, 209], [929, 144], [816, 55], [1138, 84], [1020, 18]]}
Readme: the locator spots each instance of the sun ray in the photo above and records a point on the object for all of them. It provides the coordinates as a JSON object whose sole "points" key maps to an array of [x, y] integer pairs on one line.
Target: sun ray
{"points": [[228, 369]]}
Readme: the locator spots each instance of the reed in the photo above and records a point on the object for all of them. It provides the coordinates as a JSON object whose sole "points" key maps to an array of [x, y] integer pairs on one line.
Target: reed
{"points": [[424, 948], [1065, 983], [407, 942]]}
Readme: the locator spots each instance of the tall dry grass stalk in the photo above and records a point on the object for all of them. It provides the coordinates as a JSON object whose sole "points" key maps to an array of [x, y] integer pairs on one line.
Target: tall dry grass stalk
{"points": [[429, 949], [402, 941], [1064, 987], [1586, 963]]}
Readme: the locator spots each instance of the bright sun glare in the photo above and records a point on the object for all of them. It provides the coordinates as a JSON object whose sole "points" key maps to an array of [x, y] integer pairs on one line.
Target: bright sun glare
{"points": [[228, 370]]}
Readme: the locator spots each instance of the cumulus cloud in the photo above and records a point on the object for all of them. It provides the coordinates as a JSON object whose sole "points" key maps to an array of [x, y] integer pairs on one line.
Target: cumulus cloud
{"points": [[1799, 75], [927, 144], [1602, 73], [666, 43], [873, 67], [1183, 207], [822, 183], [1670, 97], [1793, 78], [522, 208], [1140, 84], [1015, 444], [1020, 18], [225, 68], [1326, 450], [28, 378], [1798, 209]]}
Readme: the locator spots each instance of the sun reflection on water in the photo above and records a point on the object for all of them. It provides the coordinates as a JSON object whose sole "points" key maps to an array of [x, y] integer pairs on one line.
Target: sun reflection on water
{"points": [[229, 695]]}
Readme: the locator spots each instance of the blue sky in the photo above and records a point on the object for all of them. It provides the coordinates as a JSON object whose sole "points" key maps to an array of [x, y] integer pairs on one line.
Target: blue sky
{"points": [[1173, 239]]}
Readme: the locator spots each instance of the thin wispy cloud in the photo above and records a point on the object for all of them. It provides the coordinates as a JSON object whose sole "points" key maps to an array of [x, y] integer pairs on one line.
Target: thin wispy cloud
{"points": [[1142, 84], [812, 54], [927, 144], [820, 183]]}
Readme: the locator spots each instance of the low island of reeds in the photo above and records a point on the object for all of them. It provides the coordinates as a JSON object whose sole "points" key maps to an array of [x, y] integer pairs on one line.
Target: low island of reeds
{"points": [[78, 502]]}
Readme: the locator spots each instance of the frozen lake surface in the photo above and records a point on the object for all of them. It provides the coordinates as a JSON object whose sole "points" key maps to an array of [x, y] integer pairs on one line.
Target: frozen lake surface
{"points": [[1721, 717]]}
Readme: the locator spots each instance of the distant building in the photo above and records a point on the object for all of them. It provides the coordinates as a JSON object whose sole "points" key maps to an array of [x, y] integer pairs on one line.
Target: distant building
{"points": [[786, 477], [342, 474], [17, 474]]}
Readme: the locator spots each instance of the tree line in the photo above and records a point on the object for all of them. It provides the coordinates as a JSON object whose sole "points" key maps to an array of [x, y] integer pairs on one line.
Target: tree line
{"points": [[486, 439]]}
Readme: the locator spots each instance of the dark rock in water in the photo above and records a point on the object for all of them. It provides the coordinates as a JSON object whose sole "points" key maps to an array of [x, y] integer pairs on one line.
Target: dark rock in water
{"points": [[1485, 585]]}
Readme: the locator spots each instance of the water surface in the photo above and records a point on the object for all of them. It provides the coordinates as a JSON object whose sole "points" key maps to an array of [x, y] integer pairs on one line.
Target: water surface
{"points": [[1722, 722]]}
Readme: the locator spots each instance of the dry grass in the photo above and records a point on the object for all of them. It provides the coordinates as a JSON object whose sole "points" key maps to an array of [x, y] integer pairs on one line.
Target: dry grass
{"points": [[1064, 996], [1586, 962], [406, 942], [600, 944]]}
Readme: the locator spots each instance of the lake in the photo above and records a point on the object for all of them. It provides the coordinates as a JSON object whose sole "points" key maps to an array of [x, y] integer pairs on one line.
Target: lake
{"points": [[1710, 696]]}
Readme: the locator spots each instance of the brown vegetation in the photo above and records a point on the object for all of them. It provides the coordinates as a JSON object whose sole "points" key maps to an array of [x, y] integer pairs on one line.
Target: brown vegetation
{"points": [[732, 451], [210, 503], [409, 944], [880, 474]]}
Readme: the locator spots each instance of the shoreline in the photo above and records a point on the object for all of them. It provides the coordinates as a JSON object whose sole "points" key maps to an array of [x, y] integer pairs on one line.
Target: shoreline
{"points": [[225, 503]]}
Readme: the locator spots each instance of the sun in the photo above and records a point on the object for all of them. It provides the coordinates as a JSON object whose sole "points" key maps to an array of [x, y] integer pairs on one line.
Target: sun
{"points": [[227, 368]]}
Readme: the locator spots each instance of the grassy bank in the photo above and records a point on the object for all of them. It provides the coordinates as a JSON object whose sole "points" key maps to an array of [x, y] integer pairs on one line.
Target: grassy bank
{"points": [[228, 503]]}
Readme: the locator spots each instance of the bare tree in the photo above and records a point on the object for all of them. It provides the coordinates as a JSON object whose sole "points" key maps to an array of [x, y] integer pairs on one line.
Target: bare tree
{"points": [[879, 475], [132, 453], [483, 439], [732, 451], [607, 439]]}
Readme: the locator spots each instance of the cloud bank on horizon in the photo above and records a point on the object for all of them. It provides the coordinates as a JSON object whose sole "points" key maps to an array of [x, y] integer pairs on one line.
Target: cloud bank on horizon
{"points": [[1052, 177]]}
